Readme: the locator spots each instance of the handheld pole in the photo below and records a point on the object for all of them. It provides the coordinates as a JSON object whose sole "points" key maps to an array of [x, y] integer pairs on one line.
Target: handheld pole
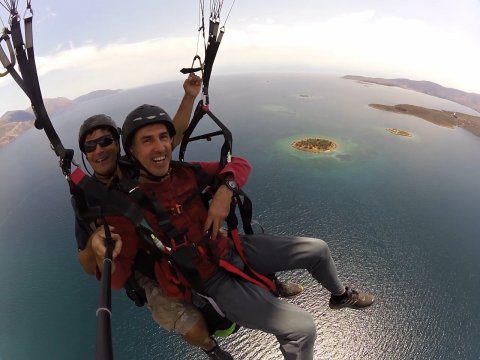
{"points": [[104, 348]]}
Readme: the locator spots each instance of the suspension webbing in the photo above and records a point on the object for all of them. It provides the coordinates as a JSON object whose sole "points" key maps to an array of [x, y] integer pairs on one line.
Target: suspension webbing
{"points": [[24, 55], [200, 111], [215, 35]]}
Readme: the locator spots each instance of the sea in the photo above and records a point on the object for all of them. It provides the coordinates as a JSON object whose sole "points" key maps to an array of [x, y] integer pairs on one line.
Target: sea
{"points": [[401, 216]]}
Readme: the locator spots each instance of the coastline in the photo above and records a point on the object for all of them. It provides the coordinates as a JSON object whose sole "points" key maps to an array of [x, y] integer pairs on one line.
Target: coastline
{"points": [[444, 118]]}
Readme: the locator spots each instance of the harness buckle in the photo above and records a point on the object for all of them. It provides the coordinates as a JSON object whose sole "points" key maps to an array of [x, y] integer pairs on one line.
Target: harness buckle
{"points": [[177, 209], [176, 244]]}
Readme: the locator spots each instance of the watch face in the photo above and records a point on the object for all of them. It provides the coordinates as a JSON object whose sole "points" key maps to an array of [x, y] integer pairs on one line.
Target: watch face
{"points": [[231, 184]]}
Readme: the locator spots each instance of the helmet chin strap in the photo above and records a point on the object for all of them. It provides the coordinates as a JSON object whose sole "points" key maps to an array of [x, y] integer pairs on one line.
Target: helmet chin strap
{"points": [[147, 174]]}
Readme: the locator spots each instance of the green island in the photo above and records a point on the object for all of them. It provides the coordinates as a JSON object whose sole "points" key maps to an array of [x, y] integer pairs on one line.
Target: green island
{"points": [[399, 132], [315, 145]]}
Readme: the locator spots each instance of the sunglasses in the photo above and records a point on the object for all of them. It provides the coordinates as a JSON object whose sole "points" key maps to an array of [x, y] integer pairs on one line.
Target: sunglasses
{"points": [[103, 141]]}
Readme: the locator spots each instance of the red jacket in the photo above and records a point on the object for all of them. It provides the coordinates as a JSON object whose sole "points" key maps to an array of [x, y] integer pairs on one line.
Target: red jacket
{"points": [[175, 189]]}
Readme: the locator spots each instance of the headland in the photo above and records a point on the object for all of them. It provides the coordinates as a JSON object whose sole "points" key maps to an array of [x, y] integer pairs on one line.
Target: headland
{"points": [[449, 119]]}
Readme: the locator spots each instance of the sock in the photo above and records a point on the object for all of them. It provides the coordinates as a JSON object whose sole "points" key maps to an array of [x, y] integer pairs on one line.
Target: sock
{"points": [[342, 296]]}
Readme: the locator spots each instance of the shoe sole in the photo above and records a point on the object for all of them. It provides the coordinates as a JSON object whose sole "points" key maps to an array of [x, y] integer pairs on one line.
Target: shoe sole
{"points": [[352, 306]]}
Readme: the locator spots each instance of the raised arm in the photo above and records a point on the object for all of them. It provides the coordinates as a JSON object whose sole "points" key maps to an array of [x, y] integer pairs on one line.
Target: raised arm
{"points": [[192, 86]]}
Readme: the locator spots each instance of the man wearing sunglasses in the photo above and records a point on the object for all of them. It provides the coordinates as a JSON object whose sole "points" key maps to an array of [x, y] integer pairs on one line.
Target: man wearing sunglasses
{"points": [[99, 141], [203, 254]]}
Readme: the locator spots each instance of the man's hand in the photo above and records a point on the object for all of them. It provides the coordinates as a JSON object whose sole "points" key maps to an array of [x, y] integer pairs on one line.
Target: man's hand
{"points": [[218, 210], [99, 247], [192, 85]]}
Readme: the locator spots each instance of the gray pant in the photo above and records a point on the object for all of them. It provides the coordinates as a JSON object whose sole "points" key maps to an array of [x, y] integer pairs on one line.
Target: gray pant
{"points": [[256, 308]]}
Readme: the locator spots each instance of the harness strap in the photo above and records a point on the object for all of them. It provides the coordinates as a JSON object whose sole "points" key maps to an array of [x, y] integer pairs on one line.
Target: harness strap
{"points": [[162, 216], [264, 281], [214, 39], [177, 237], [112, 202], [245, 208], [28, 82], [200, 111]]}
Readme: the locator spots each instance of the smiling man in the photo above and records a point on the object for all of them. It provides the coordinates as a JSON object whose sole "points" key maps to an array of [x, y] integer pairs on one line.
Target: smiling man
{"points": [[99, 141], [192, 252]]}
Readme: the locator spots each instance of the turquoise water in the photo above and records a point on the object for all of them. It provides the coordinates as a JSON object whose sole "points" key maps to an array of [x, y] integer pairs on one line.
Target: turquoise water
{"points": [[401, 216]]}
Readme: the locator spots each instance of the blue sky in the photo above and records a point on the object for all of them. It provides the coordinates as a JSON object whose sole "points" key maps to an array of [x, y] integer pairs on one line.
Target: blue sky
{"points": [[88, 45]]}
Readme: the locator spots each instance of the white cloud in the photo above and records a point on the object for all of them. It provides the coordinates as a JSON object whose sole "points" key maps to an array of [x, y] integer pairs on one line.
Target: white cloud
{"points": [[363, 43]]}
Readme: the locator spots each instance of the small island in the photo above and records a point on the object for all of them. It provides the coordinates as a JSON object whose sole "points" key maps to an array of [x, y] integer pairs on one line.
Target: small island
{"points": [[399, 132], [448, 119], [314, 145]]}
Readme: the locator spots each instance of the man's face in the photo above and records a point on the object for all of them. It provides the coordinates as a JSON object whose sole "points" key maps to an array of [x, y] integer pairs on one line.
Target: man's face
{"points": [[102, 156], [152, 147]]}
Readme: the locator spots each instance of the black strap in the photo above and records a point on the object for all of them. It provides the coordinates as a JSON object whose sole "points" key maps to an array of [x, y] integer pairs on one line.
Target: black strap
{"points": [[214, 40], [215, 35], [163, 215], [28, 81], [200, 112], [100, 200]]}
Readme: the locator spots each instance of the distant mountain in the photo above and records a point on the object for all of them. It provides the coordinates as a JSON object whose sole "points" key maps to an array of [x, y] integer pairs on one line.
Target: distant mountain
{"points": [[470, 100], [14, 123], [56, 106], [95, 95], [17, 116]]}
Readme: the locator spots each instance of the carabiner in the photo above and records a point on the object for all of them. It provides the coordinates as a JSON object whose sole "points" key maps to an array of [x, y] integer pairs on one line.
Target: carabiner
{"points": [[29, 8], [6, 62], [192, 69]]}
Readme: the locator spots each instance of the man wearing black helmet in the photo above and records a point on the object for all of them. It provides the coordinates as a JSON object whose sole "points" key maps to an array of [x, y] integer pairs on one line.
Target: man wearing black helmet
{"points": [[99, 141], [147, 138]]}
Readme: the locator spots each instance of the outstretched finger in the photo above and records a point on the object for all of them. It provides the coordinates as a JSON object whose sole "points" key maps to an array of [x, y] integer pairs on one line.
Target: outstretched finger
{"points": [[208, 224], [117, 245]]}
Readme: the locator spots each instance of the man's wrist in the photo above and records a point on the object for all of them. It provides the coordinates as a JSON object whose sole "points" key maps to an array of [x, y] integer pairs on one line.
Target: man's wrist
{"points": [[231, 184]]}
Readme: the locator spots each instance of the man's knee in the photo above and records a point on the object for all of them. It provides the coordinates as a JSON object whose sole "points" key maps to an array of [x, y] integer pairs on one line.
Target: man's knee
{"points": [[301, 335], [173, 315], [307, 331], [320, 248]]}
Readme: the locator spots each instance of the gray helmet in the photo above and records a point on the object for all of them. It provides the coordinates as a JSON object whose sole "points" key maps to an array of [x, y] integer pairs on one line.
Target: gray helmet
{"points": [[140, 117], [94, 122]]}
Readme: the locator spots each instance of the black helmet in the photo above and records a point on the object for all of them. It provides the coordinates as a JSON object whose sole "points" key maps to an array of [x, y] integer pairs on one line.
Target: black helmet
{"points": [[97, 121], [140, 117]]}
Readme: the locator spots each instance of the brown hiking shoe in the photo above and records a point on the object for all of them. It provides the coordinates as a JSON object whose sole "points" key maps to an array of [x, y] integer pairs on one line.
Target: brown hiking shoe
{"points": [[288, 289], [352, 299]]}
